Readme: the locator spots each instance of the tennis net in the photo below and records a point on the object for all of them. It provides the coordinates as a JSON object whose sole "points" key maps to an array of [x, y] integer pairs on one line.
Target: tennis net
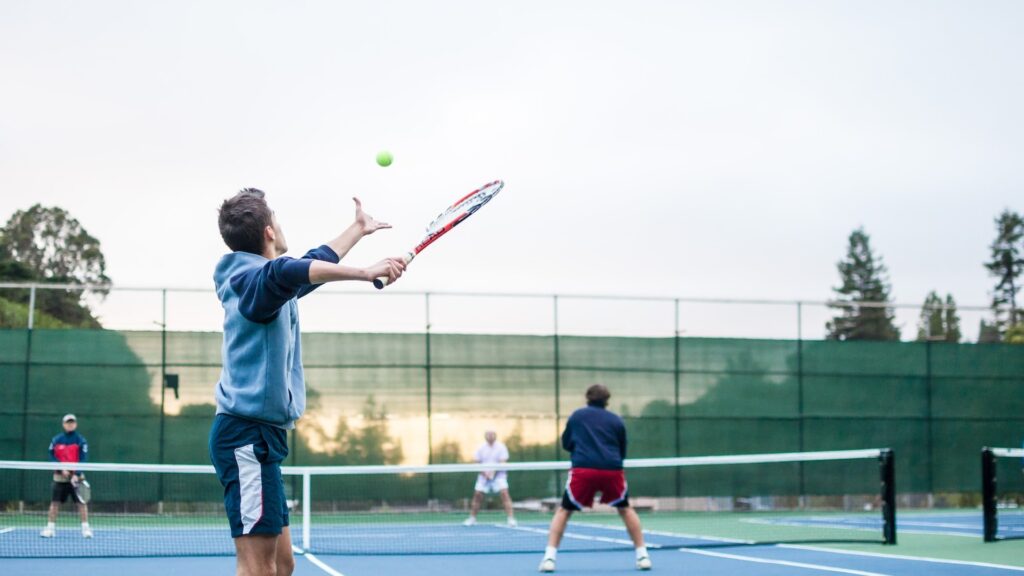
{"points": [[704, 501], [1002, 485]]}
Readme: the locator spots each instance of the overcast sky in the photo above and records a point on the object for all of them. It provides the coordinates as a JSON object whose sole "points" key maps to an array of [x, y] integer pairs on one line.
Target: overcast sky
{"points": [[721, 149]]}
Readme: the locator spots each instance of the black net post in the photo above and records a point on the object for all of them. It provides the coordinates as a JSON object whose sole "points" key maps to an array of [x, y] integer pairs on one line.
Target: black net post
{"points": [[887, 470], [988, 494]]}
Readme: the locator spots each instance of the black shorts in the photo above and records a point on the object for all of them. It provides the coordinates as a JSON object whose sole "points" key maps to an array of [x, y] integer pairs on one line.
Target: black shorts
{"points": [[247, 456], [62, 491]]}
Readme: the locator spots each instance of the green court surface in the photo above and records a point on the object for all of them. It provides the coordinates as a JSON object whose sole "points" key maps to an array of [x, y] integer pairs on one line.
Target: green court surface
{"points": [[935, 545]]}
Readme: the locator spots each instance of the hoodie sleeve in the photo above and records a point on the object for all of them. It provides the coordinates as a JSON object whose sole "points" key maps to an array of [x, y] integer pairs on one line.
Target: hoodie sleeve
{"points": [[53, 444], [262, 291], [325, 253], [83, 452]]}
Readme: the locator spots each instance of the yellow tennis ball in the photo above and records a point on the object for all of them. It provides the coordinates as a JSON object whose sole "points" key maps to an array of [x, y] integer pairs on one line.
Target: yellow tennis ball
{"points": [[384, 158]]}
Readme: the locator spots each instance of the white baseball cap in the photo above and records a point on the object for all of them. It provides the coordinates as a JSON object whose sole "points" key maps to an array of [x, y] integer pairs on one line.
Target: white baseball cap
{"points": [[69, 418]]}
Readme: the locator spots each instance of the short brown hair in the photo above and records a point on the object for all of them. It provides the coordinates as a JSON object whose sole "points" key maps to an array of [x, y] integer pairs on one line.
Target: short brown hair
{"points": [[598, 395], [242, 220]]}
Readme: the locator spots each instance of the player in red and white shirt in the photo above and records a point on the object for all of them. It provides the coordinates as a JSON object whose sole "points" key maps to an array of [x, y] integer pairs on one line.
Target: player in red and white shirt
{"points": [[491, 481], [70, 447]]}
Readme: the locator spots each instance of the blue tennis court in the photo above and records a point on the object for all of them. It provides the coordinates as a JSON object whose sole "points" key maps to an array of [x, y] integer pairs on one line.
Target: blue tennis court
{"points": [[585, 551], [774, 560], [968, 524]]}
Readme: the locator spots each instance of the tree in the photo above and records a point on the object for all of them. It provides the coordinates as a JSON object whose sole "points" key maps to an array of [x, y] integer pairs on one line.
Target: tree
{"points": [[370, 443], [1006, 264], [988, 333], [864, 279], [46, 244], [54, 246], [939, 321], [1015, 334]]}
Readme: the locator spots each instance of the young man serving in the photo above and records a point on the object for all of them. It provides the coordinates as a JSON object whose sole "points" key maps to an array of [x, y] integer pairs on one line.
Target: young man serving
{"points": [[261, 392]]}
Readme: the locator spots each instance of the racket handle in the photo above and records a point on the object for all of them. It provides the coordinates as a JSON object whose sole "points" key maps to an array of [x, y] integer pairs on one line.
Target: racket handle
{"points": [[381, 282]]}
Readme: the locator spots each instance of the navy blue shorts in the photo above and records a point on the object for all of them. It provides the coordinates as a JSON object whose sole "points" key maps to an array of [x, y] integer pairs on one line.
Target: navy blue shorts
{"points": [[248, 456]]}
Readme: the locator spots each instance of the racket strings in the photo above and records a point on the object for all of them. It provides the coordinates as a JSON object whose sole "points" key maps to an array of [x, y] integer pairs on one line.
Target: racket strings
{"points": [[467, 205]]}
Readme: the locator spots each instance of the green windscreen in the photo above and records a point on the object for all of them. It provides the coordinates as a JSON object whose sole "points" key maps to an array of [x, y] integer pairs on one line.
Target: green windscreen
{"points": [[418, 398]]}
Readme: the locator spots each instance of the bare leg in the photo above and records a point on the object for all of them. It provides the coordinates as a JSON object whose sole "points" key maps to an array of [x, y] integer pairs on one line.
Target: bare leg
{"points": [[54, 507], [507, 501], [558, 527], [285, 558], [632, 522], [478, 498], [83, 513], [257, 555]]}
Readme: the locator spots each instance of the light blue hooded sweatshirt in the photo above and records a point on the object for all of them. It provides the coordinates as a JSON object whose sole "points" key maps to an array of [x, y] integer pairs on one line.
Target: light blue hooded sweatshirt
{"points": [[262, 378]]}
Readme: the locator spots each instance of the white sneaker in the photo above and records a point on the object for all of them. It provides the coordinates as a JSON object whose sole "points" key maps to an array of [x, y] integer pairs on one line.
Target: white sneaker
{"points": [[47, 532], [643, 563], [469, 521], [547, 565], [86, 532], [512, 523]]}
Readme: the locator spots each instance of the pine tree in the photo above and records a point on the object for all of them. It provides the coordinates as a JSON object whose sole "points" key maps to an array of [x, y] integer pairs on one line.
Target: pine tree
{"points": [[864, 279], [953, 333], [938, 321], [1006, 264], [988, 333]]}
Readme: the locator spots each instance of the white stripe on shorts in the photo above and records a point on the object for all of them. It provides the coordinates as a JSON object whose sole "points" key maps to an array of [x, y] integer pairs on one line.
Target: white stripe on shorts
{"points": [[568, 491], [250, 485]]}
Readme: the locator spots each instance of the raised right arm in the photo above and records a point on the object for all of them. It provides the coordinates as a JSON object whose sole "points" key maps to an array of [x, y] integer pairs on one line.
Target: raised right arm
{"points": [[262, 291]]}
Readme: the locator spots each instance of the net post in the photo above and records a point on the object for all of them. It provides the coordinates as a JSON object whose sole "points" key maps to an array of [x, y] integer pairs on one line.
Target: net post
{"points": [[887, 470], [989, 495], [307, 507], [676, 413], [31, 307]]}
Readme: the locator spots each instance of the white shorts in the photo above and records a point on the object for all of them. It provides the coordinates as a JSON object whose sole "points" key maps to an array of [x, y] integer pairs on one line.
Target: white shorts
{"points": [[491, 487]]}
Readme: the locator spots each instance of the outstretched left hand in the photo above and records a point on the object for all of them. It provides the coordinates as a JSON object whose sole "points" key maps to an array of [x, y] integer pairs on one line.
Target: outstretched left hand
{"points": [[367, 223]]}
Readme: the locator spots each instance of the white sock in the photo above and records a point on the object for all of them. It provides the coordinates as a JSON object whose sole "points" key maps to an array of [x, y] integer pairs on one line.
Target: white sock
{"points": [[51, 525], [550, 552], [641, 551], [85, 524]]}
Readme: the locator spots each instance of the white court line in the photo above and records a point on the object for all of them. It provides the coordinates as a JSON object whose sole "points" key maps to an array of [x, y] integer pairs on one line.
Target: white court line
{"points": [[795, 524], [817, 567], [674, 534], [902, 557], [940, 525], [574, 536], [316, 562]]}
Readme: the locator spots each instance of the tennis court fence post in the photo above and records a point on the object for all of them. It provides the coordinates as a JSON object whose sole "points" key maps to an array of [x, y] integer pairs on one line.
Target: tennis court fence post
{"points": [[887, 468], [307, 508], [25, 393], [988, 495]]}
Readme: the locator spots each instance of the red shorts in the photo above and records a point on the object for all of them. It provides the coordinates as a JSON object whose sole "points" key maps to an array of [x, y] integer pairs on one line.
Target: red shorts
{"points": [[584, 483]]}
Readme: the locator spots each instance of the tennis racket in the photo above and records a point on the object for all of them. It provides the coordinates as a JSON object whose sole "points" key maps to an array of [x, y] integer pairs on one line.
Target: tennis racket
{"points": [[81, 488], [453, 215]]}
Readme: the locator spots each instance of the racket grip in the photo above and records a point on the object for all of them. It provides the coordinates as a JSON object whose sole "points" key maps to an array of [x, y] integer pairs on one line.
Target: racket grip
{"points": [[382, 281]]}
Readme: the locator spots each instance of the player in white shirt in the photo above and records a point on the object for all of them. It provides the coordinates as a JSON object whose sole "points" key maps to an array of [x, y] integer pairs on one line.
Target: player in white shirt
{"points": [[491, 481]]}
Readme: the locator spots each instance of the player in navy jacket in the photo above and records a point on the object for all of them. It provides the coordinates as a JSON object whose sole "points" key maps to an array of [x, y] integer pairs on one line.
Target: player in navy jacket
{"points": [[596, 438], [71, 447]]}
